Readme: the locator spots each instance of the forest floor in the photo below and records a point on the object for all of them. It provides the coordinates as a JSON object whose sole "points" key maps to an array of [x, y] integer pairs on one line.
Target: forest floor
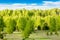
{"points": [[38, 35]]}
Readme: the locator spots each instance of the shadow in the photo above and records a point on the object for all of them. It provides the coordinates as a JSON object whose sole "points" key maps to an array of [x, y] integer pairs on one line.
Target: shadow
{"points": [[45, 27], [38, 28]]}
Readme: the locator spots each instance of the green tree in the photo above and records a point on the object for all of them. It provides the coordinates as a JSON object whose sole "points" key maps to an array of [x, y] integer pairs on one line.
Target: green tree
{"points": [[28, 29], [21, 23], [53, 25], [2, 25], [10, 25]]}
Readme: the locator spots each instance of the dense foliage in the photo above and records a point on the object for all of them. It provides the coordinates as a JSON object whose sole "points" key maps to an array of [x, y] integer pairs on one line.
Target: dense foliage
{"points": [[26, 21]]}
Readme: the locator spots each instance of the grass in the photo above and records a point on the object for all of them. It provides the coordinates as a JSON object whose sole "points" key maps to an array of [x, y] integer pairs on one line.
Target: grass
{"points": [[38, 35], [28, 39]]}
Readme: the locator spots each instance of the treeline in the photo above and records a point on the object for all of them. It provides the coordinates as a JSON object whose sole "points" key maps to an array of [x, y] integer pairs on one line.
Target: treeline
{"points": [[26, 21]]}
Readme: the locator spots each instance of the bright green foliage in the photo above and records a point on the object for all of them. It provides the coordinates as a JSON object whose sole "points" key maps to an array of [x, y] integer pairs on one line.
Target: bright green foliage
{"points": [[42, 21], [28, 29], [23, 18], [10, 25], [52, 24], [37, 21], [57, 22], [21, 23]]}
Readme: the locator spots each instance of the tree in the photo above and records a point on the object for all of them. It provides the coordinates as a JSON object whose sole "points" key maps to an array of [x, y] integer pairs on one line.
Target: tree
{"points": [[21, 23], [10, 25], [28, 29], [2, 25], [53, 25]]}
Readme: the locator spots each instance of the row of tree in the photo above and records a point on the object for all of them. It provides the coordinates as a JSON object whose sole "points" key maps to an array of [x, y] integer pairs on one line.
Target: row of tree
{"points": [[26, 21]]}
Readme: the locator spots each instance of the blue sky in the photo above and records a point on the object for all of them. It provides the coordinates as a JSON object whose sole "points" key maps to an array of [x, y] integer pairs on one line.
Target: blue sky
{"points": [[29, 4], [24, 1]]}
